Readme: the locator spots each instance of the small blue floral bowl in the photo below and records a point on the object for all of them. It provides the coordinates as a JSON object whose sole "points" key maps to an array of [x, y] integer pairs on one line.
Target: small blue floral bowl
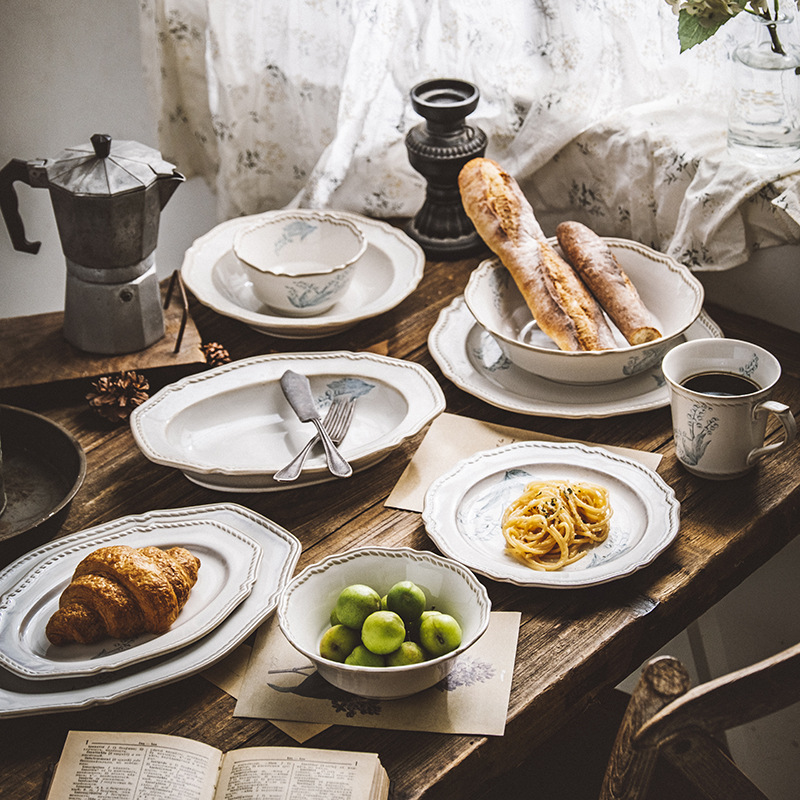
{"points": [[300, 262]]}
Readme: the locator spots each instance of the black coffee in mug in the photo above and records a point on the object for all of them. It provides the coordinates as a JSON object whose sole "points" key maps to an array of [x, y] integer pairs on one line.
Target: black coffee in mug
{"points": [[720, 384]]}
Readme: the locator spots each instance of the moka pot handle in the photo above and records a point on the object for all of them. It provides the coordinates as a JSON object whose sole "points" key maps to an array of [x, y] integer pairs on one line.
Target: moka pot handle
{"points": [[15, 170]]}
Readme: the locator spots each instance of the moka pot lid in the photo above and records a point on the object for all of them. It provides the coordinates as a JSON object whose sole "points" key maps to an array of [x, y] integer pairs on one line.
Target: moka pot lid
{"points": [[105, 167]]}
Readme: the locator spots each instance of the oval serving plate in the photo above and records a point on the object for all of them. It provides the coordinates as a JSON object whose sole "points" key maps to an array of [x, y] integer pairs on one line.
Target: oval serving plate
{"points": [[229, 563], [231, 428], [390, 269], [281, 550], [463, 509]]}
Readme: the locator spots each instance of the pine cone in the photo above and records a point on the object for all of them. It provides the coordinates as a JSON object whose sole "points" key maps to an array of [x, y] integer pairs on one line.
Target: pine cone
{"points": [[115, 396], [215, 354]]}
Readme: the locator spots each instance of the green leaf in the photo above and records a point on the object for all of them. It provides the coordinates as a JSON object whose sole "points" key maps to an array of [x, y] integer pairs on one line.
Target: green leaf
{"points": [[691, 32]]}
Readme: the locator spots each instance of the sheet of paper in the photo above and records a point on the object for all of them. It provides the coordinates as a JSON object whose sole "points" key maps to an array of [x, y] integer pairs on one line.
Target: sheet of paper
{"points": [[452, 438], [228, 675], [282, 684]]}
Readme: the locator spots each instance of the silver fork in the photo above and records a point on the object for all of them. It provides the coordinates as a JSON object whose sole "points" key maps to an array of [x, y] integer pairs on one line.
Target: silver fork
{"points": [[337, 423]]}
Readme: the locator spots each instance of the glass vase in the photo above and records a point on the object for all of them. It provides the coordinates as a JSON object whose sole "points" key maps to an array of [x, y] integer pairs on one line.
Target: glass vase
{"points": [[764, 117]]}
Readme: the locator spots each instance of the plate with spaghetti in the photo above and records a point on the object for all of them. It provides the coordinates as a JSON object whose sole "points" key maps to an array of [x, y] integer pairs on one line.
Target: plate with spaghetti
{"points": [[551, 514]]}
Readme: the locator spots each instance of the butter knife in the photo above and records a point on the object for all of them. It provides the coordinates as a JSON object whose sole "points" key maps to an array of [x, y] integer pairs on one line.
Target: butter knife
{"points": [[298, 393]]}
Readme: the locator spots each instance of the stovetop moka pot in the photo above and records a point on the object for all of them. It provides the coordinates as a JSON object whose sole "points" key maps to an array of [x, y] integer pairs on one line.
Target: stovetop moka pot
{"points": [[107, 198]]}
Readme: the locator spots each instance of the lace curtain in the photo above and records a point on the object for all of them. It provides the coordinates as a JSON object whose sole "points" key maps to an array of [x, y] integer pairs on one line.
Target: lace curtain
{"points": [[305, 102]]}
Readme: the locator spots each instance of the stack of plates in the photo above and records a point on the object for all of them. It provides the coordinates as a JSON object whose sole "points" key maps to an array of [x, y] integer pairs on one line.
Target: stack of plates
{"points": [[245, 562]]}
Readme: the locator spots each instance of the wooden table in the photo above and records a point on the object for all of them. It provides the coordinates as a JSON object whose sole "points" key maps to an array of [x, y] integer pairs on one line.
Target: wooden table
{"points": [[572, 643]]}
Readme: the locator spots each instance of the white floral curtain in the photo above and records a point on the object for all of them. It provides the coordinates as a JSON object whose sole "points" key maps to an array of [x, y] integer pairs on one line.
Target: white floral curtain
{"points": [[305, 102]]}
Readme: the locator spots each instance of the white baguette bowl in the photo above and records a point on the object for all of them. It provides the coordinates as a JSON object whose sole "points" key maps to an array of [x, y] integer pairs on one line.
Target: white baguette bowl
{"points": [[668, 289]]}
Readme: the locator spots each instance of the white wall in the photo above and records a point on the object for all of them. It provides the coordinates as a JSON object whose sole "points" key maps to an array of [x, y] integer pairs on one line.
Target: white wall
{"points": [[71, 68]]}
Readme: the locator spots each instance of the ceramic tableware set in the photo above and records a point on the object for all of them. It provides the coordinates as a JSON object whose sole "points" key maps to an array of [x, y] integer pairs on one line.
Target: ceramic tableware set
{"points": [[276, 422]]}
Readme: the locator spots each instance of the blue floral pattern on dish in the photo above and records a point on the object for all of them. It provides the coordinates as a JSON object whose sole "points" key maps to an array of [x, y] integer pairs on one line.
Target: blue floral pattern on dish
{"points": [[352, 387], [643, 361], [749, 369], [489, 355], [692, 442], [481, 520], [305, 294], [297, 230]]}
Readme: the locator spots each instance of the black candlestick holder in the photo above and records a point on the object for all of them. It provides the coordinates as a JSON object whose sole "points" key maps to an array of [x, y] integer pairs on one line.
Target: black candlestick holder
{"points": [[438, 150]]}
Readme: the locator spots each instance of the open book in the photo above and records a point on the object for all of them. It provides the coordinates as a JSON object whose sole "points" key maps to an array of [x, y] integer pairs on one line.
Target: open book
{"points": [[154, 766]]}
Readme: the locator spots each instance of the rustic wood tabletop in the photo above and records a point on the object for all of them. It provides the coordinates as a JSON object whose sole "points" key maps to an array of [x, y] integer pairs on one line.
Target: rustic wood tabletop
{"points": [[572, 643]]}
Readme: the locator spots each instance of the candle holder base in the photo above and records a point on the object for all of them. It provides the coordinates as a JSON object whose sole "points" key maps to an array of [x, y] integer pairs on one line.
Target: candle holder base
{"points": [[438, 150], [437, 248]]}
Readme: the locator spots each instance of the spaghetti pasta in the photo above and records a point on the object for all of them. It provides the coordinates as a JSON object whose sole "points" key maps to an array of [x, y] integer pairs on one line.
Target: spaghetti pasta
{"points": [[553, 523]]}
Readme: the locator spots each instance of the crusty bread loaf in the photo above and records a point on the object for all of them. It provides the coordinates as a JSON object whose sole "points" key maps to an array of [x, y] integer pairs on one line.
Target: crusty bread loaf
{"points": [[601, 272], [560, 303]]}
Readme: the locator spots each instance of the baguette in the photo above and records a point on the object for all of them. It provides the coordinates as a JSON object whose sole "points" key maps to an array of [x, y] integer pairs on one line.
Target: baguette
{"points": [[561, 304], [601, 272]]}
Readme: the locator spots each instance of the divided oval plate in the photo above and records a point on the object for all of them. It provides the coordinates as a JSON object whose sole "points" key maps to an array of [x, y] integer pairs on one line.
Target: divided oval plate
{"points": [[231, 428], [229, 562], [463, 509], [280, 552], [390, 269], [472, 359]]}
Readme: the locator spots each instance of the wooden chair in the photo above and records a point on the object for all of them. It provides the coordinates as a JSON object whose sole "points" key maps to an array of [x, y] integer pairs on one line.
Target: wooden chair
{"points": [[665, 740], [666, 719]]}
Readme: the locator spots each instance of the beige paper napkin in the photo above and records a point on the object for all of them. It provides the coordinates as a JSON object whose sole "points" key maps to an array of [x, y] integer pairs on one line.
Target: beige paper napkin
{"points": [[452, 438], [281, 683], [228, 675]]}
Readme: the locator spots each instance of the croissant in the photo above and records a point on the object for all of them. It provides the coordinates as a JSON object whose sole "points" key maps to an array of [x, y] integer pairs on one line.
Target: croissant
{"points": [[121, 592]]}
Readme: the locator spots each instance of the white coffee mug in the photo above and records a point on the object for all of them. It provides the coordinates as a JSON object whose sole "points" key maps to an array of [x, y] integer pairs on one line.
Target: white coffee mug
{"points": [[720, 392]]}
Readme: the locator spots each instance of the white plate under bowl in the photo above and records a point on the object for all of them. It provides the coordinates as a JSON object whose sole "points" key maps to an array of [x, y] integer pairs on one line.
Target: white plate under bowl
{"points": [[232, 429], [229, 562], [471, 358], [390, 269], [463, 509], [280, 551]]}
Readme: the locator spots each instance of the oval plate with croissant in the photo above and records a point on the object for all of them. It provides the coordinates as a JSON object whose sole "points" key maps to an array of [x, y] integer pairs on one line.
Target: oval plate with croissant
{"points": [[125, 597]]}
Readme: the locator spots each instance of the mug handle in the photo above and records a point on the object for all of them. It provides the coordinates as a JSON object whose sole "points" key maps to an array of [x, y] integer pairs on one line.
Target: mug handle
{"points": [[786, 419]]}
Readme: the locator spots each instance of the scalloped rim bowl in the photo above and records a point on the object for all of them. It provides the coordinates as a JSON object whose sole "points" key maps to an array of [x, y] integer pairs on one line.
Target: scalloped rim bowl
{"points": [[305, 605], [300, 262], [668, 289]]}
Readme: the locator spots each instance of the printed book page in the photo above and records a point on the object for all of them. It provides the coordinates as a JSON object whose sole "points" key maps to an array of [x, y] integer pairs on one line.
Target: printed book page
{"points": [[97, 765], [151, 766], [296, 773]]}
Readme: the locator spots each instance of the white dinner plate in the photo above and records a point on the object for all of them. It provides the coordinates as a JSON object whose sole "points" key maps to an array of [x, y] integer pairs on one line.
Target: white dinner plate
{"points": [[231, 428], [390, 269], [463, 509], [229, 562], [280, 551], [471, 358]]}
